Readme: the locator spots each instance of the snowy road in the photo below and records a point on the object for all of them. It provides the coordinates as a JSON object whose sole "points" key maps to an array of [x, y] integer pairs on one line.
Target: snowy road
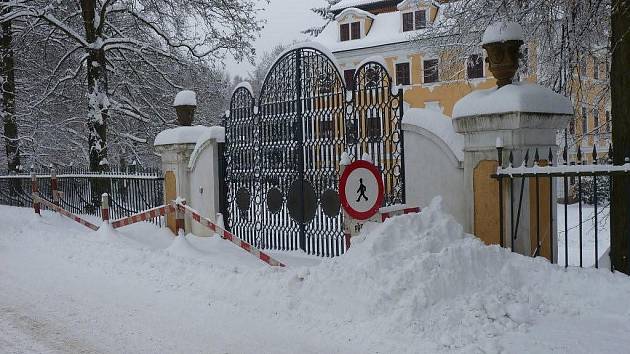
{"points": [[415, 285], [67, 301]]}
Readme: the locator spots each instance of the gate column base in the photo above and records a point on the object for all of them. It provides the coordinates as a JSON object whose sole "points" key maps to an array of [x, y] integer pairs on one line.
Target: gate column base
{"points": [[190, 164], [513, 132]]}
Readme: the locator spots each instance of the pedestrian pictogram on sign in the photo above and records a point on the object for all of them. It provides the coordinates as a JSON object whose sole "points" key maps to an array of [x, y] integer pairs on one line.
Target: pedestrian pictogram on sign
{"points": [[361, 190]]}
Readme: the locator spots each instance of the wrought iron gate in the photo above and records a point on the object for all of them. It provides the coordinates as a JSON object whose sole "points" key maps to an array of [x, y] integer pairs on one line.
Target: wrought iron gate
{"points": [[282, 153]]}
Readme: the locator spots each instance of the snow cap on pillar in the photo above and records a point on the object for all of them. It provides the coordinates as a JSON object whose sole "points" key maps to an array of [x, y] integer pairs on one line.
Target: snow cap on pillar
{"points": [[185, 104], [502, 41]]}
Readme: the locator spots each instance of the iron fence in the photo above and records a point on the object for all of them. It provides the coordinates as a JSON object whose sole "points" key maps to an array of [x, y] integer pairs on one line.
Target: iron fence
{"points": [[80, 191], [569, 198]]}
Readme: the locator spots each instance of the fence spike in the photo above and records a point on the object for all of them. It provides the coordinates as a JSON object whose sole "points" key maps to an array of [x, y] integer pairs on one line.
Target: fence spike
{"points": [[595, 153], [526, 159], [579, 153], [536, 157], [610, 153], [511, 158], [550, 157], [565, 155]]}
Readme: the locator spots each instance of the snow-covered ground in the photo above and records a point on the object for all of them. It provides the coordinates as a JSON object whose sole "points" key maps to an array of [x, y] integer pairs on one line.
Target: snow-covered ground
{"points": [[415, 284]]}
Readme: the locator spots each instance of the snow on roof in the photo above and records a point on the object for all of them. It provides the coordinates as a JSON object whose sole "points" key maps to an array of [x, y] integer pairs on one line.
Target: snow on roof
{"points": [[520, 97], [438, 124], [386, 29], [344, 4], [354, 10], [503, 32], [185, 98], [188, 135]]}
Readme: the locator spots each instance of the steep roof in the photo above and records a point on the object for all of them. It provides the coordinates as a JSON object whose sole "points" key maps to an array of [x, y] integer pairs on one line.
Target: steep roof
{"points": [[362, 4], [386, 29]]}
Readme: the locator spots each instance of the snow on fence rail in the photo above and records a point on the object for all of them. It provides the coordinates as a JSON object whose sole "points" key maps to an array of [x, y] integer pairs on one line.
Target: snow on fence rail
{"points": [[581, 183], [79, 191]]}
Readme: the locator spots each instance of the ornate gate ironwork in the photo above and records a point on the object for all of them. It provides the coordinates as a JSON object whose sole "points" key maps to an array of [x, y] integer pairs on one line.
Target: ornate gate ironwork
{"points": [[282, 153]]}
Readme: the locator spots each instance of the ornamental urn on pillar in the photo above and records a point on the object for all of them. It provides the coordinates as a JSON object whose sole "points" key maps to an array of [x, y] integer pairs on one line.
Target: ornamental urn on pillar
{"points": [[185, 104], [502, 41]]}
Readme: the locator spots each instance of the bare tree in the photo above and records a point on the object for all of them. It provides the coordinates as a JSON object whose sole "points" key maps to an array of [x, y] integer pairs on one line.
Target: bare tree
{"points": [[258, 75], [101, 36], [7, 84]]}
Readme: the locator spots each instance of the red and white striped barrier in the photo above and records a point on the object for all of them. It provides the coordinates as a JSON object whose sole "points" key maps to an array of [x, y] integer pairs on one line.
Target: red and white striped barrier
{"points": [[35, 194], [391, 213], [229, 236], [60, 210], [144, 216]]}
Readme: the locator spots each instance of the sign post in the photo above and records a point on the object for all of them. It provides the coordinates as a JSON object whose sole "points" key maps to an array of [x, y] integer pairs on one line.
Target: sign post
{"points": [[361, 193]]}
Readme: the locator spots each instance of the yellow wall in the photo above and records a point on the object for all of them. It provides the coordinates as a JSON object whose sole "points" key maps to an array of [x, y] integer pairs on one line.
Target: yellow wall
{"points": [[450, 89], [170, 193]]}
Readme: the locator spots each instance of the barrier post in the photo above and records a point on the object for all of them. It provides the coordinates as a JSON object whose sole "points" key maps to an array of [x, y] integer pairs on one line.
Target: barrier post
{"points": [[180, 219], [105, 208], [35, 193], [54, 186]]}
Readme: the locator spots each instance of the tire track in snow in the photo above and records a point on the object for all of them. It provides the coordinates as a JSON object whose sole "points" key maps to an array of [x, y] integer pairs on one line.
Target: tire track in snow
{"points": [[23, 334]]}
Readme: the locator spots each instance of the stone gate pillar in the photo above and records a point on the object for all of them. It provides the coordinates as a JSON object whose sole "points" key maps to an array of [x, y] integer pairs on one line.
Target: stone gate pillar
{"points": [[522, 117], [191, 163]]}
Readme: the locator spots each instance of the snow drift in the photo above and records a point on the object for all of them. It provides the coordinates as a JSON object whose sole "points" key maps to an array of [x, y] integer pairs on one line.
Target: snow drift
{"points": [[414, 284]]}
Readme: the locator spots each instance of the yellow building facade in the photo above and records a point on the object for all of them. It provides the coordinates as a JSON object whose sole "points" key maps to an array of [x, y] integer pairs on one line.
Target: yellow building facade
{"points": [[383, 30]]}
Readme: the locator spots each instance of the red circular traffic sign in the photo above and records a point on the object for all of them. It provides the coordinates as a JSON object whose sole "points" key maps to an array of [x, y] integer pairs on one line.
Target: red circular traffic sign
{"points": [[361, 190]]}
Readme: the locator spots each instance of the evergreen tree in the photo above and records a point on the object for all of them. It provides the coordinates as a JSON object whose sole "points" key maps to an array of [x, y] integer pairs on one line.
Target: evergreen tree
{"points": [[325, 13]]}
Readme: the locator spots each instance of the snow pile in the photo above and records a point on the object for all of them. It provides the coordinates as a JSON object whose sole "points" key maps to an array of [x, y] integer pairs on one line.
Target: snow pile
{"points": [[517, 97], [421, 275], [414, 284], [185, 98], [503, 32]]}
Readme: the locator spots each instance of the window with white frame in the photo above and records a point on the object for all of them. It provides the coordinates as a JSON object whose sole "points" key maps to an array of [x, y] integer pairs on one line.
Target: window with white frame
{"points": [[431, 70], [403, 75], [474, 66], [414, 20], [350, 31]]}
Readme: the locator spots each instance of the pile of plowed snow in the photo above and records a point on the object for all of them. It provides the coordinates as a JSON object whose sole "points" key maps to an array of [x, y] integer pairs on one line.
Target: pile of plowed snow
{"points": [[414, 284], [422, 275]]}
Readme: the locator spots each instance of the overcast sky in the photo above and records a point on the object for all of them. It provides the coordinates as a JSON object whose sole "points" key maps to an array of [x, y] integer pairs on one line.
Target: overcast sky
{"points": [[285, 20]]}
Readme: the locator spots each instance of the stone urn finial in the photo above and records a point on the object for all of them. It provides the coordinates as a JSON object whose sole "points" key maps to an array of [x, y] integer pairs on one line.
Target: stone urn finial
{"points": [[185, 104], [502, 41]]}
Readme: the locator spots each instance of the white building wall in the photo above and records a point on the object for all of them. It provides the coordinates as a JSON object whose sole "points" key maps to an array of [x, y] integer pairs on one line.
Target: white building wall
{"points": [[431, 170]]}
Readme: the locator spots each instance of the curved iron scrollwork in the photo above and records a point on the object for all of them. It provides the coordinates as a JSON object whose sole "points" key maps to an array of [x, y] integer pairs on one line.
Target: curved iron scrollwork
{"points": [[304, 121]]}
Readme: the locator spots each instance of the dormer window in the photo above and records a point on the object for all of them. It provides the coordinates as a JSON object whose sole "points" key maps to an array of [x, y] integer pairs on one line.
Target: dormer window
{"points": [[349, 31], [414, 20]]}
